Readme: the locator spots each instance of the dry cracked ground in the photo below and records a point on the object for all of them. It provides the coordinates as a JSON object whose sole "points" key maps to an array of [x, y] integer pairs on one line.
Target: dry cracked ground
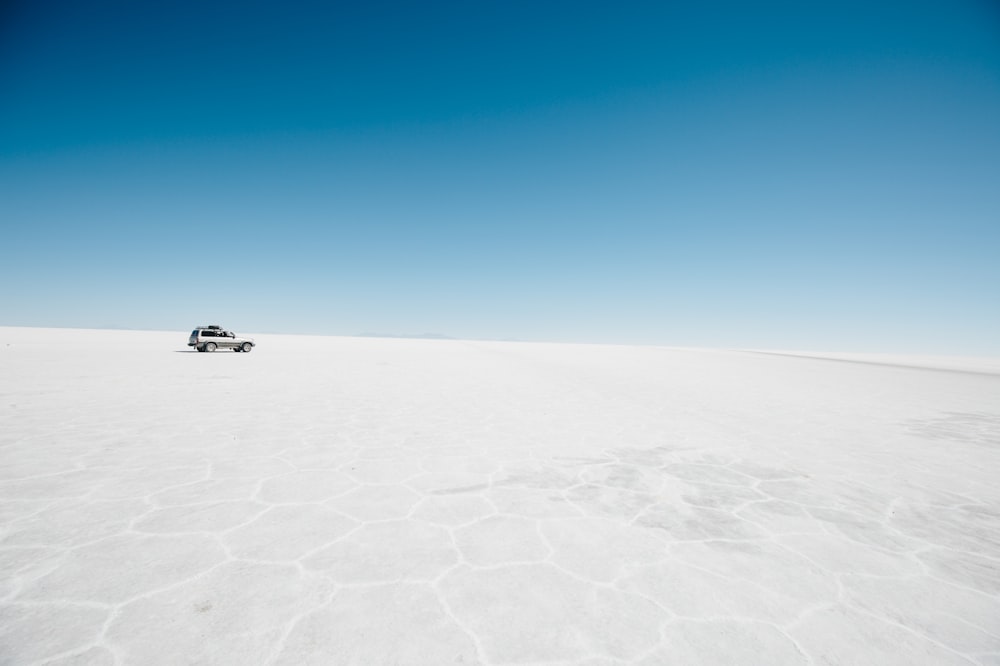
{"points": [[363, 501]]}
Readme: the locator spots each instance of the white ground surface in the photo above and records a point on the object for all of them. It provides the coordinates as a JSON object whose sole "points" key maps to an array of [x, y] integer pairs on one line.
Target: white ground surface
{"points": [[366, 501]]}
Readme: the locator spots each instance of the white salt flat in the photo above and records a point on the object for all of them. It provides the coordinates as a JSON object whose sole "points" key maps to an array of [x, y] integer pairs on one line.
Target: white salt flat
{"points": [[328, 500]]}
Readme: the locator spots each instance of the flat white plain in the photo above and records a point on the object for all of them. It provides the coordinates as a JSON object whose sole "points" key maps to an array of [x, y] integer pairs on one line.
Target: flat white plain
{"points": [[331, 500]]}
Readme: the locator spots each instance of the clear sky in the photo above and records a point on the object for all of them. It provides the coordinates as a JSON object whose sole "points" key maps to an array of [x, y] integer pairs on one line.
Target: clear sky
{"points": [[801, 175]]}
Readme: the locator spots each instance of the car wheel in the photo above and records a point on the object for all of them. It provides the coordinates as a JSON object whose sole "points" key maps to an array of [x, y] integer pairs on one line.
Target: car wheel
{"points": [[211, 347], [246, 347], [201, 349], [237, 349]]}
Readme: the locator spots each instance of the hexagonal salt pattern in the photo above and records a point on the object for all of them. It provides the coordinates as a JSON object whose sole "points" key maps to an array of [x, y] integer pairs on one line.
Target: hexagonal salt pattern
{"points": [[361, 501]]}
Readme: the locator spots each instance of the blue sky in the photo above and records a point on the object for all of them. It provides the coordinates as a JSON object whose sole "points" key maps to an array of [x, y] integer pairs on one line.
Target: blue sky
{"points": [[817, 176]]}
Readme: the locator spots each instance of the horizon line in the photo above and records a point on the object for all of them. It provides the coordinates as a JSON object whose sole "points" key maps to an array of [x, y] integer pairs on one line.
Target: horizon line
{"points": [[440, 337]]}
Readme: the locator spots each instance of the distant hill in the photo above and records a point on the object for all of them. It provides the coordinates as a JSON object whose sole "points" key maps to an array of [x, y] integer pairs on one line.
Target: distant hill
{"points": [[418, 336]]}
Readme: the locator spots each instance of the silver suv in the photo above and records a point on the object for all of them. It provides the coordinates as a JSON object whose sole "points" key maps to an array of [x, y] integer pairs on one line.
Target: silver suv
{"points": [[210, 338]]}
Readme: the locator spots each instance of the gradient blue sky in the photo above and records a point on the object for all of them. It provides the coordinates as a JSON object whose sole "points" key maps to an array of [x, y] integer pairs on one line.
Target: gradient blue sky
{"points": [[817, 176]]}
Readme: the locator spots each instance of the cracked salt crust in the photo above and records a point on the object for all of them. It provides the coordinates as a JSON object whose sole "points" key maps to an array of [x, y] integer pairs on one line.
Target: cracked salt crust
{"points": [[363, 501]]}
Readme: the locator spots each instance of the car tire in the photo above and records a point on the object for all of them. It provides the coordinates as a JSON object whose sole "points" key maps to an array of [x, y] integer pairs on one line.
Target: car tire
{"points": [[211, 347], [200, 349], [245, 347]]}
